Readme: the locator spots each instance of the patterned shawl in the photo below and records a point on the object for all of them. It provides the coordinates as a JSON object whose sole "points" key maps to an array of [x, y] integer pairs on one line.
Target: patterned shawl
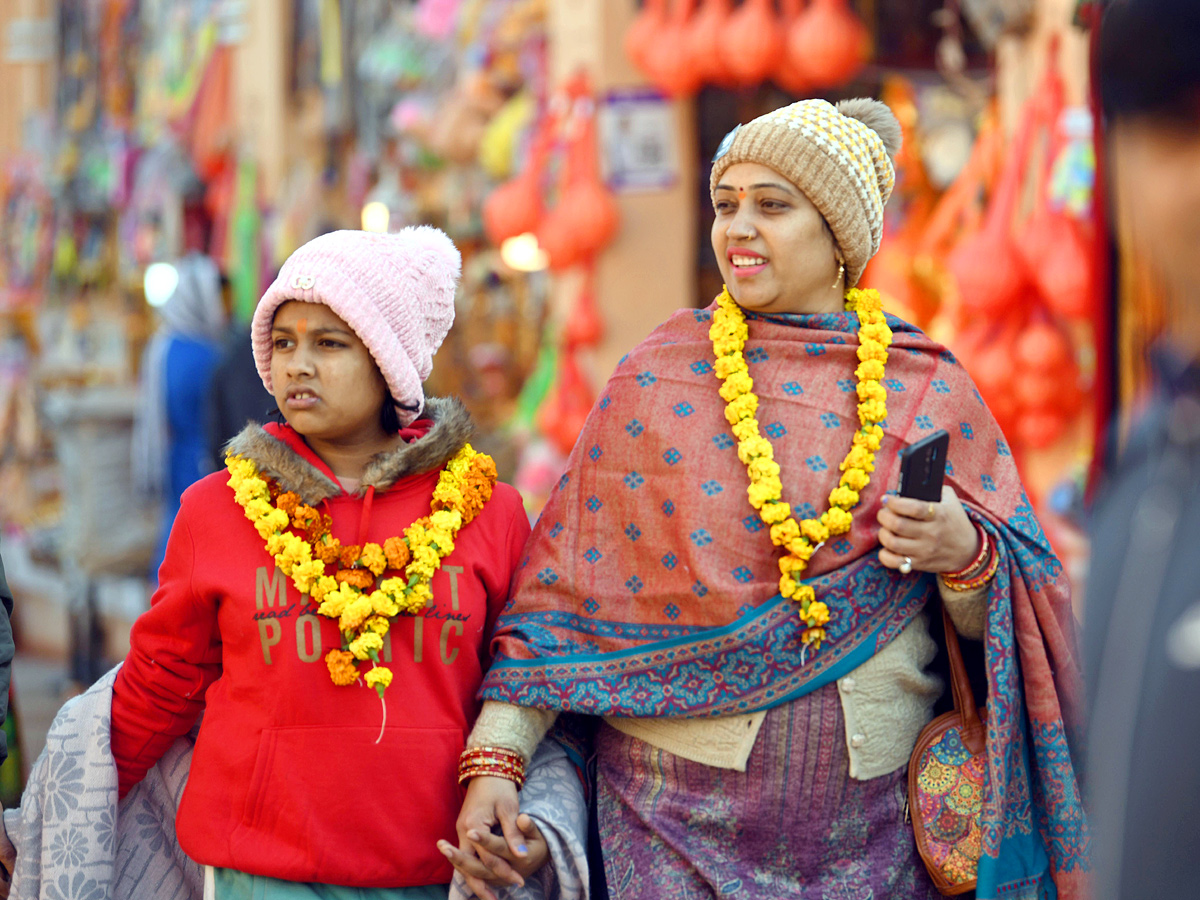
{"points": [[651, 585]]}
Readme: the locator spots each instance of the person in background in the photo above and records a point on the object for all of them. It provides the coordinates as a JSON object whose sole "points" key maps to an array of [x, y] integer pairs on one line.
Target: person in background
{"points": [[237, 395], [170, 441], [8, 853], [1142, 615]]}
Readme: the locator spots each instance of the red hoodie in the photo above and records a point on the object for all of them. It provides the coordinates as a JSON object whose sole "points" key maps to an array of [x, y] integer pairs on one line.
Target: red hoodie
{"points": [[287, 780]]}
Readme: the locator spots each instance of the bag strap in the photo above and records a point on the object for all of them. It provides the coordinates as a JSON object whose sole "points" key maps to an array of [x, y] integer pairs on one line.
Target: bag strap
{"points": [[973, 731]]}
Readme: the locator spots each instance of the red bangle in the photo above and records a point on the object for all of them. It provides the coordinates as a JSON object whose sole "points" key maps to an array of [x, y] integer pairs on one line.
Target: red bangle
{"points": [[978, 563], [495, 761], [963, 586]]}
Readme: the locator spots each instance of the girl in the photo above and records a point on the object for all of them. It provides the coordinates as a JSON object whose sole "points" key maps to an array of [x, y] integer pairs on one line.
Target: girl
{"points": [[325, 599]]}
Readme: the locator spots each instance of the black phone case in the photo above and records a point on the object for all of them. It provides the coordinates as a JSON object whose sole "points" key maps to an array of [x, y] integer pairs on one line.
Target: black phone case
{"points": [[923, 467]]}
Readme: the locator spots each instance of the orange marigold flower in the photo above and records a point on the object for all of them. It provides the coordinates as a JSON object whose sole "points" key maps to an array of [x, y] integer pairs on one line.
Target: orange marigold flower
{"points": [[349, 554], [288, 501], [306, 519], [397, 552], [341, 667], [359, 578], [327, 550]]}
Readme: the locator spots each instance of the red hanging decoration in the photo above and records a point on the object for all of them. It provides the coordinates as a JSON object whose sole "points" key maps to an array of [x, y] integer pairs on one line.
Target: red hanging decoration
{"points": [[584, 327], [753, 43], [671, 65], [515, 207], [586, 217], [707, 29], [791, 77], [828, 43], [645, 31]]}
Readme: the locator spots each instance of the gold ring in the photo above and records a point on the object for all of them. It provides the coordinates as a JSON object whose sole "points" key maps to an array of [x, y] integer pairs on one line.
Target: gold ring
{"points": [[932, 512]]}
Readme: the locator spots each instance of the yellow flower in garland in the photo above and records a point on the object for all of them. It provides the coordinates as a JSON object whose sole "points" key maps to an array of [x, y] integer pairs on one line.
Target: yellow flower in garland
{"points": [[366, 646], [363, 613], [379, 677], [729, 334]]}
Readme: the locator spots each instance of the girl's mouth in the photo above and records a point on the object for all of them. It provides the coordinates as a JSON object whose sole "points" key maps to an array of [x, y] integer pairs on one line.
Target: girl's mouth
{"points": [[298, 400]]}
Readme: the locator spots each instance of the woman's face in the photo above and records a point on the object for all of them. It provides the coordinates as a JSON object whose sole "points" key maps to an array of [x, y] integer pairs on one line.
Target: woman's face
{"points": [[772, 245], [326, 383]]}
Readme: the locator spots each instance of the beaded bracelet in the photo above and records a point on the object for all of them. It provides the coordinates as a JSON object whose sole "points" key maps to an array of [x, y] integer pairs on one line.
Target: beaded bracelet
{"points": [[494, 761], [978, 563], [965, 585]]}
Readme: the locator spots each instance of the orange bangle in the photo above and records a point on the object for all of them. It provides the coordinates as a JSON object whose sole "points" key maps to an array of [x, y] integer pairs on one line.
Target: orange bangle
{"points": [[963, 586], [978, 563]]}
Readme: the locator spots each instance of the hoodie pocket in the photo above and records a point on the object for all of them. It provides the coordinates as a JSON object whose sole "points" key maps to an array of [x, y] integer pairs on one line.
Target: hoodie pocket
{"points": [[332, 800]]}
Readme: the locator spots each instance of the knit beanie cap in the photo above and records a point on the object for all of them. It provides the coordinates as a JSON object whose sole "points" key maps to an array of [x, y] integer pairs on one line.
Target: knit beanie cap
{"points": [[840, 157], [396, 291]]}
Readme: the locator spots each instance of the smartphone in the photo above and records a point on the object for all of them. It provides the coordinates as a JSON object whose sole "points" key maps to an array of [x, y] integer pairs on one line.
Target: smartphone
{"points": [[923, 466]]}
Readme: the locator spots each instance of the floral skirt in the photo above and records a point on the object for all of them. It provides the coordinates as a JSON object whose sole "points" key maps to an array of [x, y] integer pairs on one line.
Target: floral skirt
{"points": [[794, 824]]}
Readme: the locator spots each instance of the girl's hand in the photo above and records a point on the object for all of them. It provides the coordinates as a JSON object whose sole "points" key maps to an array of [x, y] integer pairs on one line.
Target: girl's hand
{"points": [[933, 537], [489, 801], [495, 864]]}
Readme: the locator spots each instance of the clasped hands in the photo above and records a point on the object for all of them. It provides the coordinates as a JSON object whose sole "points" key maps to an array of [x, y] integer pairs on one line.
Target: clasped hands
{"points": [[487, 860]]}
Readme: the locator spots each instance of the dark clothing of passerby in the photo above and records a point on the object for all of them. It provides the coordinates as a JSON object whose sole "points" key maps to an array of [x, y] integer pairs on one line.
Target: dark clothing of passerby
{"points": [[7, 649], [237, 395], [1142, 645]]}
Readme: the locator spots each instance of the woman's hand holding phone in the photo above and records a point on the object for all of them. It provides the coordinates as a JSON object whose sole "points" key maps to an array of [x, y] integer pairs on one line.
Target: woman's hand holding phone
{"points": [[933, 537]]}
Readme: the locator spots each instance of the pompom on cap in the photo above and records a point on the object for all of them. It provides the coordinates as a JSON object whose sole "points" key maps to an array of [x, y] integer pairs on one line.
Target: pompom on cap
{"points": [[877, 116]]}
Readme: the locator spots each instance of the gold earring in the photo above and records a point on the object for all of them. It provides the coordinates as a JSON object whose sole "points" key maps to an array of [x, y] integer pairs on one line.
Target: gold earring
{"points": [[841, 272]]}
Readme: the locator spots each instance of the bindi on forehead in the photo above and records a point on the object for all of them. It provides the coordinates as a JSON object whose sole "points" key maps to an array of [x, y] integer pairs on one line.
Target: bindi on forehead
{"points": [[302, 326], [741, 193]]}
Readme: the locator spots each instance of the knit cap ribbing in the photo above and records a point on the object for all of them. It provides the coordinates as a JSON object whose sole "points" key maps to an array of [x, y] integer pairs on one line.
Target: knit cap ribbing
{"points": [[841, 164]]}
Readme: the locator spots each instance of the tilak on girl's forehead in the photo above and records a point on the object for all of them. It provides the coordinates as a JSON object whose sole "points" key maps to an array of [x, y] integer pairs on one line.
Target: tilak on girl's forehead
{"points": [[302, 326], [741, 193]]}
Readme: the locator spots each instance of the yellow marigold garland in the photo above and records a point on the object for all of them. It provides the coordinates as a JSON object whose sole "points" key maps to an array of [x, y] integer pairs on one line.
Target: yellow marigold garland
{"points": [[729, 334], [363, 604]]}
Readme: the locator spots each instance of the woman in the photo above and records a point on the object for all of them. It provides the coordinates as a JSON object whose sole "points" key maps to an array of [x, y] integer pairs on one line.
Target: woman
{"points": [[363, 540], [761, 665], [169, 449]]}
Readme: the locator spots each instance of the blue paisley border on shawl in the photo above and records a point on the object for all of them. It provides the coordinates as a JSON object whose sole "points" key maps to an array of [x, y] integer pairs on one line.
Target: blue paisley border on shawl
{"points": [[1033, 823], [756, 662]]}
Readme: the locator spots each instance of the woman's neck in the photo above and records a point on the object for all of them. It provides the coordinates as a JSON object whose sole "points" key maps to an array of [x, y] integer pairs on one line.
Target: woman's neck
{"points": [[822, 301], [348, 458]]}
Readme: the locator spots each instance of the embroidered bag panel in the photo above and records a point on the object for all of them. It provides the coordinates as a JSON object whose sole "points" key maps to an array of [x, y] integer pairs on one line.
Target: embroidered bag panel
{"points": [[946, 776]]}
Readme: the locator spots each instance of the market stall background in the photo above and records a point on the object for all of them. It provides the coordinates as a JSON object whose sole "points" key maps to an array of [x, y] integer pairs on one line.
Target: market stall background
{"points": [[564, 146]]}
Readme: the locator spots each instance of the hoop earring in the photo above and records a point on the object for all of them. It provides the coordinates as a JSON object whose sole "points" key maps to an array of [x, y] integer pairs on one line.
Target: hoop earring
{"points": [[841, 273]]}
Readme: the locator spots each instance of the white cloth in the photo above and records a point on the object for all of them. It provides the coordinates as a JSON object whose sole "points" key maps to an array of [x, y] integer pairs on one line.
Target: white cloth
{"points": [[73, 842]]}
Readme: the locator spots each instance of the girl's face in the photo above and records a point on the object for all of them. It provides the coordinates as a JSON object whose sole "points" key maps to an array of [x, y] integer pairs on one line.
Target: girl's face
{"points": [[326, 383], [772, 245]]}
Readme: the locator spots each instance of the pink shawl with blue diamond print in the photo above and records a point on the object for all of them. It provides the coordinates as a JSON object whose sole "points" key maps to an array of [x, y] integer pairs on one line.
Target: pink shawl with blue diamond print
{"points": [[650, 587]]}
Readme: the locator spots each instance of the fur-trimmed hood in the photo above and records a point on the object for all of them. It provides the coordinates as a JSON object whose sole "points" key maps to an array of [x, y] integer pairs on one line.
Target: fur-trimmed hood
{"points": [[296, 469]]}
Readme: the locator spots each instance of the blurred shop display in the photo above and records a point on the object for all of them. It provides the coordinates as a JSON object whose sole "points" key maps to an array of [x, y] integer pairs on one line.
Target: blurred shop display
{"points": [[564, 146]]}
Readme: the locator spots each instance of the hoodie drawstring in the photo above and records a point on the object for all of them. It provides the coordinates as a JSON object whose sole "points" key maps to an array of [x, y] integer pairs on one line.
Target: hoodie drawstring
{"points": [[368, 500]]}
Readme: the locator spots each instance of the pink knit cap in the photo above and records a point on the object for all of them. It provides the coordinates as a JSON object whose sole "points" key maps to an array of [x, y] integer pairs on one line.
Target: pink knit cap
{"points": [[396, 291]]}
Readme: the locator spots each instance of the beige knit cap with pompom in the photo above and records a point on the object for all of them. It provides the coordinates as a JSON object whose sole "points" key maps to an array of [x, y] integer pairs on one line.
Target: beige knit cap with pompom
{"points": [[840, 157]]}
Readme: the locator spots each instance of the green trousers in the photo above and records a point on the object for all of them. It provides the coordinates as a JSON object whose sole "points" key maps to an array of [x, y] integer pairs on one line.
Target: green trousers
{"points": [[228, 884]]}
